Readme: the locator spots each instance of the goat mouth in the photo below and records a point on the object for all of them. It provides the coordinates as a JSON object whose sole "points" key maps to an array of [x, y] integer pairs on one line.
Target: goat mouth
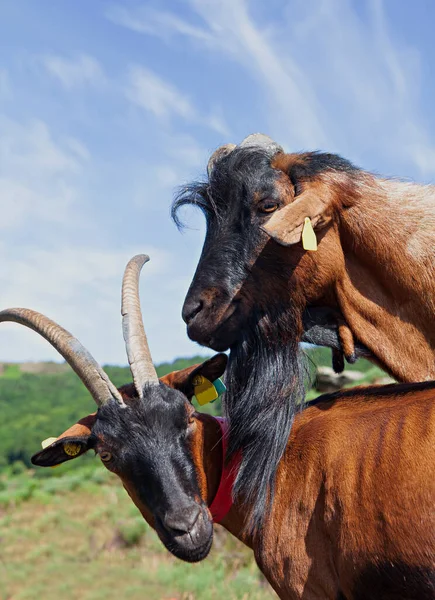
{"points": [[224, 333], [188, 547], [193, 553]]}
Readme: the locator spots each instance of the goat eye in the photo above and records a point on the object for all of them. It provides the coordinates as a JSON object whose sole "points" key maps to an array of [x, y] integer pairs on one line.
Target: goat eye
{"points": [[268, 206], [105, 456]]}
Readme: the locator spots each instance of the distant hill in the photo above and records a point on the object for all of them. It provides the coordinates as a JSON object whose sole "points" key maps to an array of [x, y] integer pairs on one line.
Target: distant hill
{"points": [[41, 400], [13, 370]]}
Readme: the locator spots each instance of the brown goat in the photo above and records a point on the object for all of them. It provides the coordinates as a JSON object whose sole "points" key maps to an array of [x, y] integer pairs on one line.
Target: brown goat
{"points": [[255, 287], [375, 264], [353, 515]]}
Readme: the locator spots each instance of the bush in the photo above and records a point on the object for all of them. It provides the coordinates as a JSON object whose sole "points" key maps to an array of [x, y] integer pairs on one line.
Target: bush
{"points": [[130, 533]]}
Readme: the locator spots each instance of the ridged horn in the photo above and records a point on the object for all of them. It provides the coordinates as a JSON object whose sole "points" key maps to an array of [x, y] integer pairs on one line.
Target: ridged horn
{"points": [[75, 354], [139, 356], [260, 140], [217, 155]]}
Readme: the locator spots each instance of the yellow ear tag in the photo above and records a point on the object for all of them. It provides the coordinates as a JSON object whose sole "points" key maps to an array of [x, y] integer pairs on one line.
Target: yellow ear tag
{"points": [[72, 449], [204, 390], [309, 240]]}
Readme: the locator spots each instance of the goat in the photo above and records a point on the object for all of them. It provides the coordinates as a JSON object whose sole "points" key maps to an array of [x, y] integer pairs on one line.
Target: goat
{"points": [[368, 290], [131, 423], [353, 514]]}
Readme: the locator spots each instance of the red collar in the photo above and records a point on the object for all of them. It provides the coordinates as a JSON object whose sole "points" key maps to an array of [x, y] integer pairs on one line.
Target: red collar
{"points": [[223, 500]]}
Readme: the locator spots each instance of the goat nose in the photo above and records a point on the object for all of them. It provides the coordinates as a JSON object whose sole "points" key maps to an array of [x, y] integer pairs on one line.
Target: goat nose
{"points": [[191, 308], [182, 521]]}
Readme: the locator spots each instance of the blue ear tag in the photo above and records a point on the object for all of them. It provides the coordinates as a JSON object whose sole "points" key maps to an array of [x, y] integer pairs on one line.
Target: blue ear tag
{"points": [[206, 391], [220, 386]]}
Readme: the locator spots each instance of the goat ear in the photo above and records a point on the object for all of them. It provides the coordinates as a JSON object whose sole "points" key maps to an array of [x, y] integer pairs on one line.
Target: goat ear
{"points": [[72, 443], [183, 380], [285, 226]]}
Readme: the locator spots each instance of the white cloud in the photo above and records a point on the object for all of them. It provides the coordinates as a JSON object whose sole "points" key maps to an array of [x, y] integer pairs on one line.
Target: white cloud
{"points": [[79, 287], [165, 101], [145, 19], [37, 174], [152, 93], [54, 259], [230, 30], [318, 54], [75, 72], [28, 149]]}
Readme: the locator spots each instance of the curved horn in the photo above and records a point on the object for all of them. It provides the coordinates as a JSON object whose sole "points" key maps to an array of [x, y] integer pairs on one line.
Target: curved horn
{"points": [[217, 155], [76, 355], [136, 343], [259, 140]]}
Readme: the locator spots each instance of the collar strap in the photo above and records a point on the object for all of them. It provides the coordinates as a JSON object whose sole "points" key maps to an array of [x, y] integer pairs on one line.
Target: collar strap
{"points": [[223, 500]]}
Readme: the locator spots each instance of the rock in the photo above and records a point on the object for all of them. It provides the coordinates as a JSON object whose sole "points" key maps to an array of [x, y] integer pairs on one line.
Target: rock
{"points": [[328, 381]]}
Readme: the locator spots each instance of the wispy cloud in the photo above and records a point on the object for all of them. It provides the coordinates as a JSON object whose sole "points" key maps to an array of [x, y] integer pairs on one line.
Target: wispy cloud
{"points": [[74, 72], [36, 174], [152, 93], [53, 259], [146, 19], [230, 30], [368, 83]]}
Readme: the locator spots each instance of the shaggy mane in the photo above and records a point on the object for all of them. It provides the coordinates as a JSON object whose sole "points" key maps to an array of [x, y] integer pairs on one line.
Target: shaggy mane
{"points": [[265, 377]]}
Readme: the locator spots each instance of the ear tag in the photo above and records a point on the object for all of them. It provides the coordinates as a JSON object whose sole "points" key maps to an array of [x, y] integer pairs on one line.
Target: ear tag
{"points": [[72, 449], [204, 390], [309, 240], [47, 442], [220, 386]]}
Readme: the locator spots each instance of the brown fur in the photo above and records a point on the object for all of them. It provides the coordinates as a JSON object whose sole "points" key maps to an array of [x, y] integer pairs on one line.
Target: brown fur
{"points": [[354, 492], [355, 487], [375, 262]]}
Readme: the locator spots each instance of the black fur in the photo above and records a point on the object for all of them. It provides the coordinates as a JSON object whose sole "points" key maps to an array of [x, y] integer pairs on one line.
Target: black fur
{"points": [[315, 163], [148, 440], [239, 264], [266, 371], [266, 387], [321, 329], [375, 391], [395, 581], [149, 444]]}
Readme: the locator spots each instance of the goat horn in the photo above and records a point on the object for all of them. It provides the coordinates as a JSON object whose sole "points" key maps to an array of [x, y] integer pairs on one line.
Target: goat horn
{"points": [[138, 352], [217, 155], [260, 140], [76, 355]]}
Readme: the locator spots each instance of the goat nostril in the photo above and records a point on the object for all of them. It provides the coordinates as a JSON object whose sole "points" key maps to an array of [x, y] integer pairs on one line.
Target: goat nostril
{"points": [[191, 309], [182, 522]]}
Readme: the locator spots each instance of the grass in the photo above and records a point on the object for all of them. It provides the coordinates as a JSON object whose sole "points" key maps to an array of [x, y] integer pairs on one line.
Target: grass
{"points": [[87, 541], [11, 371]]}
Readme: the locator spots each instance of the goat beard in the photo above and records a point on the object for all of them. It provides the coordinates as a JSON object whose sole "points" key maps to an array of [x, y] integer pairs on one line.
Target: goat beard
{"points": [[266, 379]]}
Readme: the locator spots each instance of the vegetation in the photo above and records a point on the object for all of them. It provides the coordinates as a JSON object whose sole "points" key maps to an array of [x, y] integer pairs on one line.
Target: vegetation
{"points": [[72, 531], [83, 539]]}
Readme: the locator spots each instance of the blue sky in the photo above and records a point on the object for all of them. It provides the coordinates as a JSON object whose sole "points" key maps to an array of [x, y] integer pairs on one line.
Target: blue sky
{"points": [[107, 107]]}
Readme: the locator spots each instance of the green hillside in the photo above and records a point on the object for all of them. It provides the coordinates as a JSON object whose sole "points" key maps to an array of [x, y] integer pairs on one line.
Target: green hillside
{"points": [[42, 404]]}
